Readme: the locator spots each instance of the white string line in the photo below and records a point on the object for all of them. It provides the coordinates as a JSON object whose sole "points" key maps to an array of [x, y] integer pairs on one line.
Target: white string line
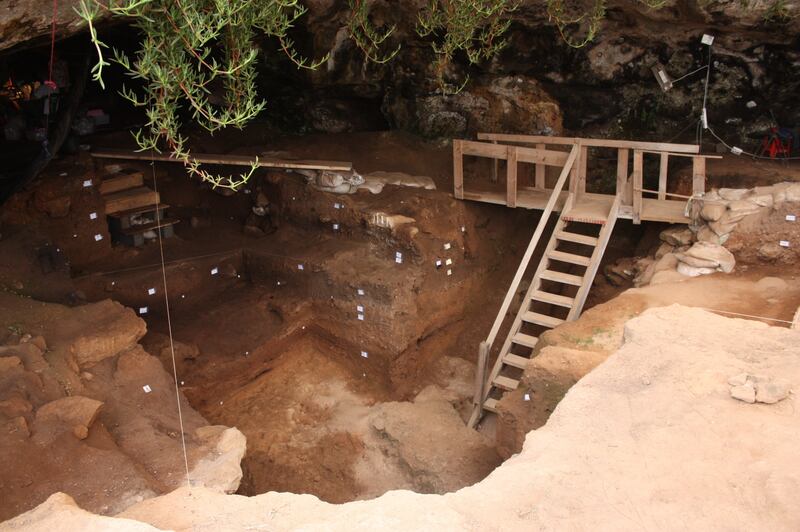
{"points": [[169, 323], [745, 315]]}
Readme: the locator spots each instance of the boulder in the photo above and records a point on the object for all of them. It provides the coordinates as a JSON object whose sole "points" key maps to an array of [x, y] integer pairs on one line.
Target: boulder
{"points": [[677, 235], [733, 194], [741, 208], [114, 329], [713, 211], [763, 200], [769, 251], [772, 391], [30, 354], [706, 234], [8, 363], [74, 413], [744, 392], [691, 271], [792, 192], [710, 253], [221, 468]]}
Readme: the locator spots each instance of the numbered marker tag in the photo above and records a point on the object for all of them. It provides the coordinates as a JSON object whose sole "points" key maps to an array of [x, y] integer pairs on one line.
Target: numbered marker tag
{"points": [[300, 267], [449, 272], [335, 227], [438, 263], [147, 388], [215, 271], [707, 39], [463, 229], [360, 292], [791, 218], [736, 151], [151, 291], [87, 183], [784, 243], [398, 258], [447, 246], [337, 205], [93, 216], [448, 262], [98, 237], [527, 397], [360, 317], [360, 309], [364, 354], [142, 310]]}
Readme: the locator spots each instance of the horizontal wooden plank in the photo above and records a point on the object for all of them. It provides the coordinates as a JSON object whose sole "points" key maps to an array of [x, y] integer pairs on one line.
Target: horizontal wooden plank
{"points": [[541, 319], [515, 360], [139, 210], [506, 383], [592, 143], [548, 157], [576, 238], [490, 404], [563, 278], [227, 160], [553, 299], [570, 258], [130, 199], [137, 229], [525, 339], [120, 181], [484, 149]]}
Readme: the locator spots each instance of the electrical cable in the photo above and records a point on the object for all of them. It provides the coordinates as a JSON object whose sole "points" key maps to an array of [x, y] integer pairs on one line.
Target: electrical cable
{"points": [[169, 324]]}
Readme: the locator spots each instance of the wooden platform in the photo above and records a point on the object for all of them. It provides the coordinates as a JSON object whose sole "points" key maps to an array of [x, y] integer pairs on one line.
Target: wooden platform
{"points": [[130, 199], [588, 206]]}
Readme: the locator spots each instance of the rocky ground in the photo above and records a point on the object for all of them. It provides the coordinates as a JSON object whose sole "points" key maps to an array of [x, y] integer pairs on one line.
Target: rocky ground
{"points": [[615, 451]]}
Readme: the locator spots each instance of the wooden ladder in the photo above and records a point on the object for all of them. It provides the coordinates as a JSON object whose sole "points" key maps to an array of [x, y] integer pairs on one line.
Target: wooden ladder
{"points": [[556, 294]]}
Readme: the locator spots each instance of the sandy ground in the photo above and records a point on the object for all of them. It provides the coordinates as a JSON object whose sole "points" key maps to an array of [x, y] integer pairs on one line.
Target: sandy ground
{"points": [[614, 455]]}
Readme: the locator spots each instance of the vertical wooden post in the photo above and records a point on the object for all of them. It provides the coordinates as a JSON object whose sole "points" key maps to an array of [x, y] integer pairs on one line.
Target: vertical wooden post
{"points": [[662, 176], [623, 184], [458, 170], [638, 178], [539, 180], [698, 175], [574, 171], [511, 177], [582, 165], [495, 167], [480, 375]]}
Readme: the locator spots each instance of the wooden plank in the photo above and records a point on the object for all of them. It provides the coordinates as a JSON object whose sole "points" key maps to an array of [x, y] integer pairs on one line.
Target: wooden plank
{"points": [[525, 339], [225, 159], [516, 361], [139, 210], [563, 278], [120, 181], [662, 176], [483, 149], [138, 229], [553, 299], [130, 199], [458, 169], [582, 167], [506, 383], [480, 375], [698, 175], [539, 179], [541, 319], [638, 168], [495, 167], [592, 143], [569, 258], [575, 237], [623, 183], [511, 176], [547, 157]]}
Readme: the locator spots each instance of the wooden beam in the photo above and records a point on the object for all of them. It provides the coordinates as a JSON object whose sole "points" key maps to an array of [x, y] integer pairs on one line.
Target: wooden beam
{"points": [[582, 167], [547, 157], [458, 169], [623, 184], [638, 164], [495, 167], [227, 160], [511, 176], [539, 179], [698, 175], [662, 177], [592, 143], [480, 375], [484, 149]]}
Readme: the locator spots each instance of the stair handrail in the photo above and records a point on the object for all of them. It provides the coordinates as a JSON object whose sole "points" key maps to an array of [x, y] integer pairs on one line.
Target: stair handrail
{"points": [[537, 234]]}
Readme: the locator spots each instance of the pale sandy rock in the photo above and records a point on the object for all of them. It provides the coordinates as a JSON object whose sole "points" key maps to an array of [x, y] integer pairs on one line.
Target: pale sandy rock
{"points": [[763, 200], [221, 468], [59, 512], [723, 226], [712, 253], [713, 211], [744, 392], [770, 251], [663, 249], [375, 181], [772, 391], [792, 192], [741, 208], [733, 194], [706, 234], [669, 276], [74, 413], [678, 235], [8, 363], [692, 271]]}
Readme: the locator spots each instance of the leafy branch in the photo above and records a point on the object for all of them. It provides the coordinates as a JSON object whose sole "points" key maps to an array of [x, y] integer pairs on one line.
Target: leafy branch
{"points": [[366, 36]]}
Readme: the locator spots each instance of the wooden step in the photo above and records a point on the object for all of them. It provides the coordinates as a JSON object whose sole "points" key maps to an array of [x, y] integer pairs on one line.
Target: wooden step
{"points": [[506, 383], [122, 180], [525, 339], [541, 319], [136, 229], [559, 277], [575, 237], [515, 360], [130, 199], [554, 299], [569, 258], [490, 405], [145, 209]]}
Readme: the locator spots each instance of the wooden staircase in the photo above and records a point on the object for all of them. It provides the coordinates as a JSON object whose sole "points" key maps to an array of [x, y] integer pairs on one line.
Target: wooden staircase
{"points": [[557, 291]]}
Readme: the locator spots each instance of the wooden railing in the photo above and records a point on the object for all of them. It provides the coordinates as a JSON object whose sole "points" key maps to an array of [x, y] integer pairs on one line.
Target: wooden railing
{"points": [[629, 181]]}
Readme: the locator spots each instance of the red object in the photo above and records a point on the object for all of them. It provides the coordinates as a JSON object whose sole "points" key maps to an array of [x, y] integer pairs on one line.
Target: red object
{"points": [[773, 145]]}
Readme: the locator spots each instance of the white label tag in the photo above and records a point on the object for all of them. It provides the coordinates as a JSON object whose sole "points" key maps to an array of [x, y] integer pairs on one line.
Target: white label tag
{"points": [[449, 272], [335, 227], [448, 262], [784, 243], [87, 183], [98, 237], [364, 354], [151, 291], [398, 258], [791, 218], [360, 292], [360, 317], [707, 39], [300, 267], [527, 397], [215, 271], [337, 205], [447, 246], [438, 263], [147, 388], [93, 216], [736, 151], [142, 310], [463, 229], [359, 308]]}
